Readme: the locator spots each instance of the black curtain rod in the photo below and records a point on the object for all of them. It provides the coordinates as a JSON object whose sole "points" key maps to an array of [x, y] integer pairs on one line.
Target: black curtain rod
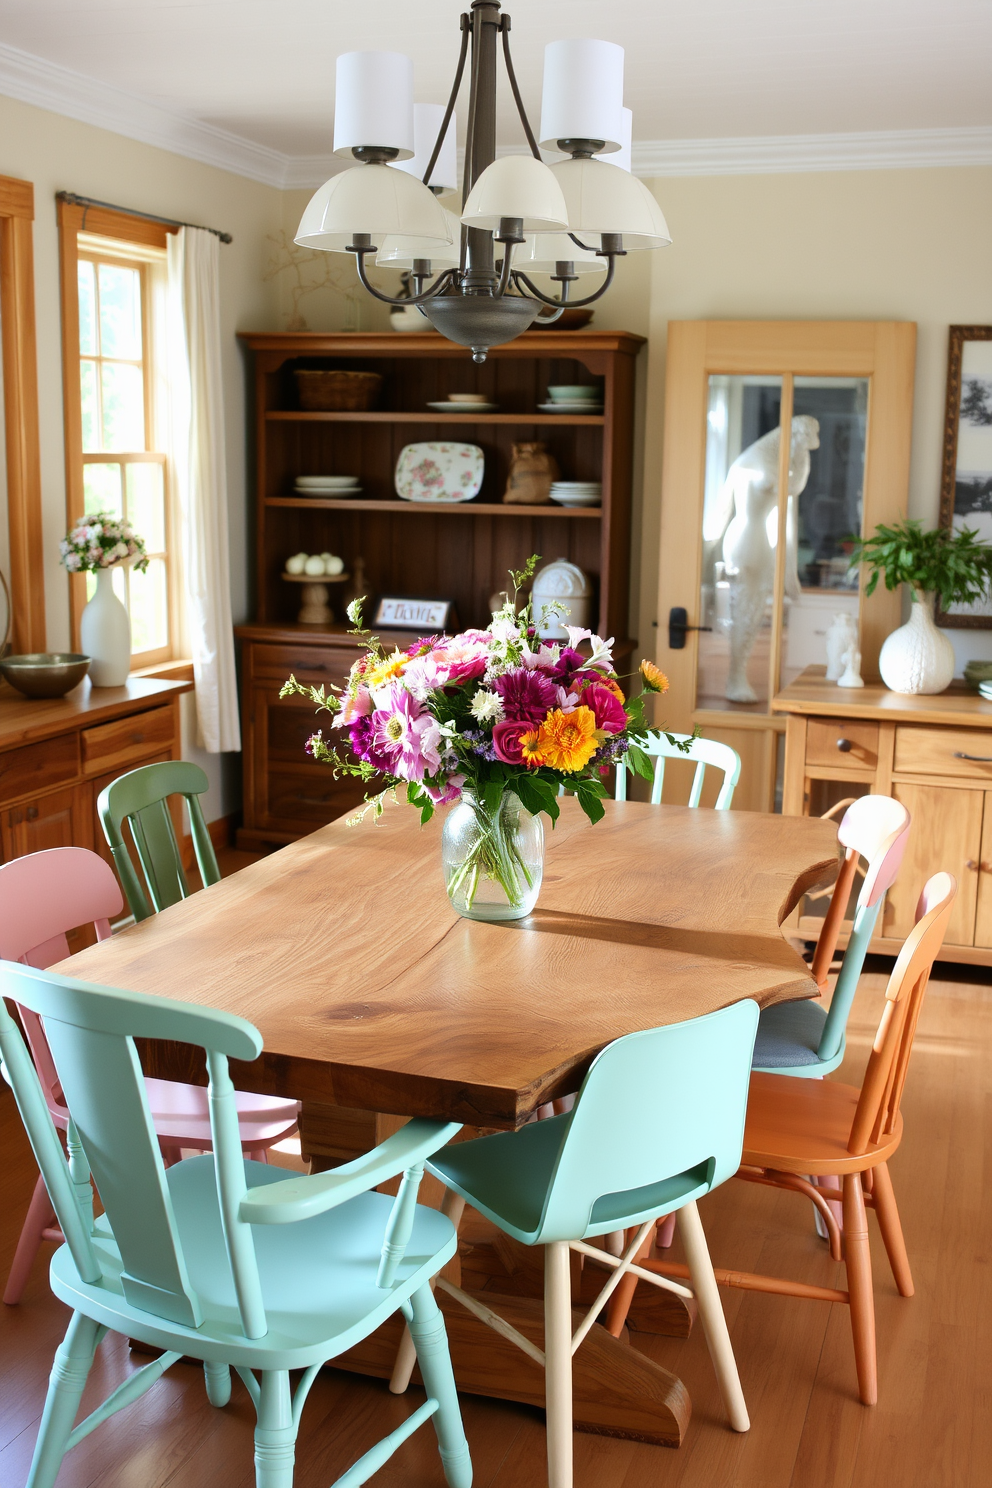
{"points": [[89, 201]]}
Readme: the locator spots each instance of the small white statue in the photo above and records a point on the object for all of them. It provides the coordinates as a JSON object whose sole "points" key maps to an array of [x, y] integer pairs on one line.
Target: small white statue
{"points": [[842, 636], [751, 487], [851, 675]]}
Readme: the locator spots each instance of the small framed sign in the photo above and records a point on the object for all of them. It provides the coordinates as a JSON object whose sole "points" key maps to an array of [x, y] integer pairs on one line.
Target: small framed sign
{"points": [[426, 615]]}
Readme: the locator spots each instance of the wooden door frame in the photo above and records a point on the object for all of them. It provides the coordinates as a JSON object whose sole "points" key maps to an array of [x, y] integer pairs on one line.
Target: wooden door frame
{"points": [[20, 388], [884, 352]]}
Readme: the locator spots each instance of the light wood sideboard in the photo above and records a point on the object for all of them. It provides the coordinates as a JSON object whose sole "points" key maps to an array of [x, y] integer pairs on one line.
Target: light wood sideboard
{"points": [[932, 753]]}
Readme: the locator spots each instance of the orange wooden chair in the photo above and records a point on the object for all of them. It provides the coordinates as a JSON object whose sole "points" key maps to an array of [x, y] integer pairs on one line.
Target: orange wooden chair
{"points": [[801, 1128]]}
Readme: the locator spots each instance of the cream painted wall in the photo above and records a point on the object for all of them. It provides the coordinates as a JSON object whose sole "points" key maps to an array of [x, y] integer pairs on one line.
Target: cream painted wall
{"points": [[58, 154], [872, 245]]}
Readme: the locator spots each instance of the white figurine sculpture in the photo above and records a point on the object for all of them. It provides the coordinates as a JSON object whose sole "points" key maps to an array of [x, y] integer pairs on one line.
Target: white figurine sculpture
{"points": [[842, 635], [749, 540], [851, 675]]}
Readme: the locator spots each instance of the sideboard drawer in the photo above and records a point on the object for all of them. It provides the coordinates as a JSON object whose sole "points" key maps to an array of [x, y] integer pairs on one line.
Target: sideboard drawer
{"points": [[306, 663], [965, 753], [34, 767], [839, 741], [126, 740]]}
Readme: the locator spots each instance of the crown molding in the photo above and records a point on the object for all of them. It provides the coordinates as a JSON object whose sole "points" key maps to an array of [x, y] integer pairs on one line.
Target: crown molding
{"points": [[47, 85]]}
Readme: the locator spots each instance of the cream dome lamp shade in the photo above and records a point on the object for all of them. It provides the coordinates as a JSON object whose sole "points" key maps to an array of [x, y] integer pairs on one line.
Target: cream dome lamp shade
{"points": [[427, 121], [399, 252], [542, 252], [374, 199], [519, 187], [601, 199], [373, 103], [583, 93]]}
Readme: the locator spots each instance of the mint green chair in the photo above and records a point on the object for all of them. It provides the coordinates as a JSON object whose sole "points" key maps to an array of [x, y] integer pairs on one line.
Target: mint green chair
{"points": [[658, 1123], [141, 798], [218, 1258], [704, 752]]}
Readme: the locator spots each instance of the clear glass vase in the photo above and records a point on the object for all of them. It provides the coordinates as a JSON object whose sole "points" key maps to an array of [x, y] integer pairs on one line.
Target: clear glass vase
{"points": [[493, 862]]}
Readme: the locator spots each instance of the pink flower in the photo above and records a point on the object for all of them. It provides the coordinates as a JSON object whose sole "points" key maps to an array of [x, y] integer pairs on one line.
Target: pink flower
{"points": [[528, 696], [405, 735], [449, 790], [607, 709], [506, 739], [358, 706], [461, 660]]}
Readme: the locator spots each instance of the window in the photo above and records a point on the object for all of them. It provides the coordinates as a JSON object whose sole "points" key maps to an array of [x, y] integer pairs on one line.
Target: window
{"points": [[115, 448]]}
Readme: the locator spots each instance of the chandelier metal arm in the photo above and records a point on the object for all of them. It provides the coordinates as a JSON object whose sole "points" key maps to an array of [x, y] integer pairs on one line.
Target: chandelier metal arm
{"points": [[442, 282], [512, 76], [520, 278], [456, 85]]}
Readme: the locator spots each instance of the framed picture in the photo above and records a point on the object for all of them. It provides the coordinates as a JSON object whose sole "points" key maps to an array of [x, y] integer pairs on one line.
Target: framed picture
{"points": [[966, 483], [426, 615]]}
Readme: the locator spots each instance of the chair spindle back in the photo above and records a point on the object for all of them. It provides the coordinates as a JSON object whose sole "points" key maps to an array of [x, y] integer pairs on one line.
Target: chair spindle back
{"points": [[704, 752], [141, 798]]}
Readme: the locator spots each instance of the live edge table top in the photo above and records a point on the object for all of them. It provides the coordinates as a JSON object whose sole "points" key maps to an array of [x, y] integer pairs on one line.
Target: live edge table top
{"points": [[370, 992]]}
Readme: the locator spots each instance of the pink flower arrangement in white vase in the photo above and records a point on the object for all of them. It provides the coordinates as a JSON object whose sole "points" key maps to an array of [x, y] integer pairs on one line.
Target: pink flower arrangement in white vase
{"points": [[98, 544]]}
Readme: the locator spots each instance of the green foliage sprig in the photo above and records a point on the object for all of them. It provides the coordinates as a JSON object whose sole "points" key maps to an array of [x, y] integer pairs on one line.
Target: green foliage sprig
{"points": [[955, 565]]}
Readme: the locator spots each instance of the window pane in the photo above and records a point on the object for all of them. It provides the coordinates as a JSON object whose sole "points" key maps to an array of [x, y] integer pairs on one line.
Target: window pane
{"points": [[123, 407], [87, 310], [149, 610], [120, 311], [146, 505], [90, 405], [102, 488]]}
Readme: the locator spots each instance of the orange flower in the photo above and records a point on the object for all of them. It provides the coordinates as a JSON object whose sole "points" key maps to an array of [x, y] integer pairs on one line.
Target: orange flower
{"points": [[530, 749], [598, 679], [568, 741], [654, 678]]}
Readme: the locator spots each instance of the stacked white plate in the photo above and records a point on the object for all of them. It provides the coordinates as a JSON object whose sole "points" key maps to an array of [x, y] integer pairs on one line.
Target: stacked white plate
{"points": [[985, 688], [577, 493], [327, 485]]}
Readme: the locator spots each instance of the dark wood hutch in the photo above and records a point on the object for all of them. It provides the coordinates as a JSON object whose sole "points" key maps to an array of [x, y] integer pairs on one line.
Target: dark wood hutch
{"points": [[460, 552]]}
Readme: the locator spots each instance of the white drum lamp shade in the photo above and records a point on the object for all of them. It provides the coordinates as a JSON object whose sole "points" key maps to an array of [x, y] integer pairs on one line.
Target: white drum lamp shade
{"points": [[601, 199], [624, 156], [398, 252], [373, 102], [427, 120], [373, 199], [517, 186], [542, 252], [583, 93]]}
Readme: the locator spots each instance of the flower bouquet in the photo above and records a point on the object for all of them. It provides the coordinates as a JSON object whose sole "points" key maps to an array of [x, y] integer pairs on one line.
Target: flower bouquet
{"points": [[498, 721], [102, 541]]}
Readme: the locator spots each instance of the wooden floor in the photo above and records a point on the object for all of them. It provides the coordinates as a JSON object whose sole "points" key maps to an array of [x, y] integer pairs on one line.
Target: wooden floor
{"points": [[932, 1427]]}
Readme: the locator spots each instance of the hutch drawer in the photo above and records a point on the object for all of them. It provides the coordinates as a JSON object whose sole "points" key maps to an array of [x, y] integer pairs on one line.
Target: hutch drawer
{"points": [[34, 767], [126, 740], [955, 753], [831, 743], [306, 663]]}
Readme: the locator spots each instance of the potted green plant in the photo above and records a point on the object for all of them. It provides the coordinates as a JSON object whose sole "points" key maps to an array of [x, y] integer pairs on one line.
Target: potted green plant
{"points": [[918, 657]]}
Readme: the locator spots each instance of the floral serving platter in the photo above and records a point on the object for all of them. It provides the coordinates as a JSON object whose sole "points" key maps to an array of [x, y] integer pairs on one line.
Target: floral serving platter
{"points": [[439, 471]]}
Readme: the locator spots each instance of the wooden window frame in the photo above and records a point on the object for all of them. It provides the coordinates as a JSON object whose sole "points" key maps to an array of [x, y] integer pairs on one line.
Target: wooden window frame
{"points": [[142, 233], [20, 383]]}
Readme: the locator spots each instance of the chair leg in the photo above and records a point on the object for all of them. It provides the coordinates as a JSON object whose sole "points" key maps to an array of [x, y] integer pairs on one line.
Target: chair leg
{"points": [[431, 1343], [558, 1363], [888, 1222], [217, 1378], [619, 1304], [275, 1432], [859, 1285], [39, 1216], [665, 1233], [711, 1313], [452, 1205], [70, 1369]]}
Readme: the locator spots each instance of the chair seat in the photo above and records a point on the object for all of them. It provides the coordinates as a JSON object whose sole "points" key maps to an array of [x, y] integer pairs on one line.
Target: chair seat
{"points": [[182, 1112], [804, 1126], [788, 1038], [318, 1277], [507, 1178]]}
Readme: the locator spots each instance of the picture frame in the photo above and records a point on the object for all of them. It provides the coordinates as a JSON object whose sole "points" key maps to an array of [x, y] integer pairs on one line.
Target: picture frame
{"points": [[966, 473], [403, 612]]}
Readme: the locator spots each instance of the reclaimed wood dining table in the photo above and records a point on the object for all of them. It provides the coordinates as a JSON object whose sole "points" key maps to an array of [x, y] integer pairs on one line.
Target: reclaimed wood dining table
{"points": [[377, 1003]]}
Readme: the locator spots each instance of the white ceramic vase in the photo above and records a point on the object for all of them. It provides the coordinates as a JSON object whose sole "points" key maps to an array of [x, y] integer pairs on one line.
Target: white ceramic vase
{"points": [[918, 657], [105, 634]]}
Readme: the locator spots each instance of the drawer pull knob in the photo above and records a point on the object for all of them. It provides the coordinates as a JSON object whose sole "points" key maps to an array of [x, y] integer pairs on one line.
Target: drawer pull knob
{"points": [[845, 746], [978, 759], [137, 738], [32, 813]]}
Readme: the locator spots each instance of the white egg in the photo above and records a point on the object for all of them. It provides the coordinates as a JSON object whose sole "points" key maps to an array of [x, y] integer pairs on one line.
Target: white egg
{"points": [[333, 565], [296, 564], [314, 566]]}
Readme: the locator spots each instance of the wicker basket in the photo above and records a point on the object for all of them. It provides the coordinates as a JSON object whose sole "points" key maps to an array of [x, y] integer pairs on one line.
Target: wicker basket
{"points": [[337, 392]]}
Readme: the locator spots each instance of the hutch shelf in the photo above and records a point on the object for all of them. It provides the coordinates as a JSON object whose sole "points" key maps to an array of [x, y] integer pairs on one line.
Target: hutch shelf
{"points": [[460, 552]]}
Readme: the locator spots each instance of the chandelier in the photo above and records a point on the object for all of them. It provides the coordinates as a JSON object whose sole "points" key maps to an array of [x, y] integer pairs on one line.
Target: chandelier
{"points": [[469, 274]]}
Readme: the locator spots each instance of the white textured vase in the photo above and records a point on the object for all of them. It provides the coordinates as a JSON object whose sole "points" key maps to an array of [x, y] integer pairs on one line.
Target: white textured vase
{"points": [[918, 657], [105, 634]]}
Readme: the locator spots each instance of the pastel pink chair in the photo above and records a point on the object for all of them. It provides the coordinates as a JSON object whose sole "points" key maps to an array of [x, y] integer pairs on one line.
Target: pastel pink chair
{"points": [[42, 896]]}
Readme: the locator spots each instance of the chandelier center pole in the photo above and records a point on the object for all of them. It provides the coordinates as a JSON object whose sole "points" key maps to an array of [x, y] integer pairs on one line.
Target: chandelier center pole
{"points": [[480, 270]]}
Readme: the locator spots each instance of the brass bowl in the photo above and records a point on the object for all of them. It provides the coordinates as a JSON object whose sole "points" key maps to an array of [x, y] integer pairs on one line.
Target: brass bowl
{"points": [[45, 674]]}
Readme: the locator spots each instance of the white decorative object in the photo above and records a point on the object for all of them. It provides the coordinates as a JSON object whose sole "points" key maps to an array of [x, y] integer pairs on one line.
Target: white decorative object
{"points": [[842, 636], [918, 657], [314, 565], [105, 634], [439, 472], [296, 564], [851, 675], [564, 584]]}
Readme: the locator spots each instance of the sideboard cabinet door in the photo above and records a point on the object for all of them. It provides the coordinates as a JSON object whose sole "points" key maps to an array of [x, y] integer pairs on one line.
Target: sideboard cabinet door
{"points": [[59, 819], [946, 834]]}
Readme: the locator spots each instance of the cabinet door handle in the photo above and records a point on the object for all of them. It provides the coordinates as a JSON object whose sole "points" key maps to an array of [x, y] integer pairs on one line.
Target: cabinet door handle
{"points": [[32, 813], [978, 759], [845, 746], [972, 865], [137, 738]]}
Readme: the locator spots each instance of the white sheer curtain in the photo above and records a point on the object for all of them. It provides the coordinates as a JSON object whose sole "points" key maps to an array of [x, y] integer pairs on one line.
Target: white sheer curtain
{"points": [[201, 479]]}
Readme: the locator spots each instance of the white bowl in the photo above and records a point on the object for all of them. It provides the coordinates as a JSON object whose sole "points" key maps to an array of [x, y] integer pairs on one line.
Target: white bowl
{"points": [[327, 480], [576, 498]]}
